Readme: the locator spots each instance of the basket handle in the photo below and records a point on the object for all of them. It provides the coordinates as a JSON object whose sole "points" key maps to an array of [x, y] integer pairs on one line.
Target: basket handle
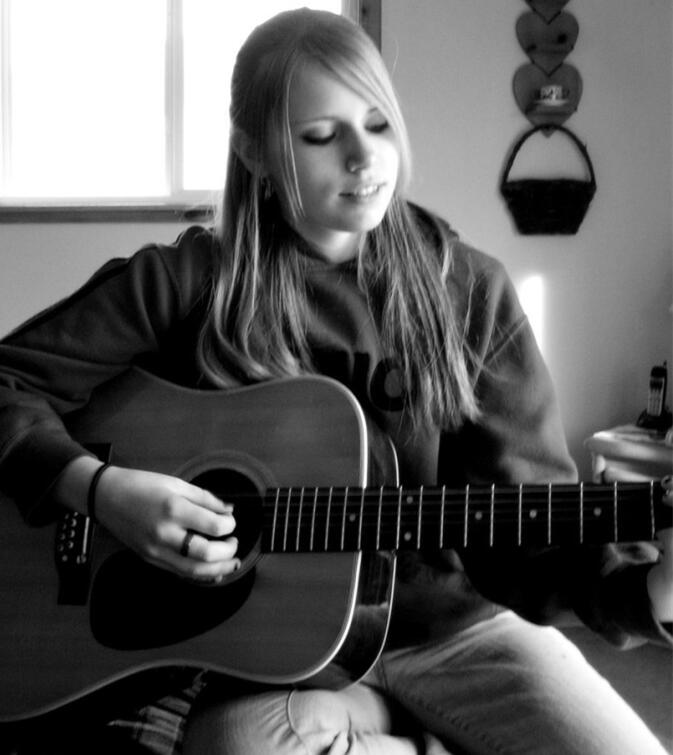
{"points": [[550, 127]]}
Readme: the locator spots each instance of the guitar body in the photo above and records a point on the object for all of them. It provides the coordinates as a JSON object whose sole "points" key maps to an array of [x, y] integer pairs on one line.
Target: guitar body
{"points": [[318, 515], [282, 619]]}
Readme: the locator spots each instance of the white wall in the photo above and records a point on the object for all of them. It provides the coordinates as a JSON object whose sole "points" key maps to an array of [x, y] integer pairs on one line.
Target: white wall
{"points": [[607, 290], [41, 263]]}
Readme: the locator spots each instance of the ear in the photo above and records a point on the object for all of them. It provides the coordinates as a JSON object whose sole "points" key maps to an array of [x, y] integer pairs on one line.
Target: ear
{"points": [[241, 144]]}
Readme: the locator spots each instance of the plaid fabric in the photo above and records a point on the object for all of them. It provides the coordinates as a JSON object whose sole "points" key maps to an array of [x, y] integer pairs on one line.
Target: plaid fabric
{"points": [[159, 727]]}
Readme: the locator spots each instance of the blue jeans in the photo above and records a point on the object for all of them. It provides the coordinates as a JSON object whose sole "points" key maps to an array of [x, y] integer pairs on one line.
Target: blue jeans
{"points": [[500, 686]]}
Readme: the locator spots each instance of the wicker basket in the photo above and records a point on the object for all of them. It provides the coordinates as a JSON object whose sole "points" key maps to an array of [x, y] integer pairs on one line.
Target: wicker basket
{"points": [[548, 206]]}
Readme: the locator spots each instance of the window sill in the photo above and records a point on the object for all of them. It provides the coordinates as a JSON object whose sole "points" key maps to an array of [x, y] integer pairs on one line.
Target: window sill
{"points": [[121, 213]]}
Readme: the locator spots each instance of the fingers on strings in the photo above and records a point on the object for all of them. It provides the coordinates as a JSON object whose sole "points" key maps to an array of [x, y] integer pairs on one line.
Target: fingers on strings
{"points": [[199, 548]]}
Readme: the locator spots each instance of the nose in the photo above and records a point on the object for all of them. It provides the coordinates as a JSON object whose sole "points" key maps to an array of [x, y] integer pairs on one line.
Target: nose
{"points": [[361, 155]]}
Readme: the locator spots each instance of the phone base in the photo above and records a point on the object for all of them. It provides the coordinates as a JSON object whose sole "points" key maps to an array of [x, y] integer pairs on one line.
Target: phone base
{"points": [[660, 422]]}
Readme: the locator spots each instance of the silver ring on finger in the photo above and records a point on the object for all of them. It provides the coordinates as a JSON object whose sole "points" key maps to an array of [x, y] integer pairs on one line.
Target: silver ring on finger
{"points": [[186, 542]]}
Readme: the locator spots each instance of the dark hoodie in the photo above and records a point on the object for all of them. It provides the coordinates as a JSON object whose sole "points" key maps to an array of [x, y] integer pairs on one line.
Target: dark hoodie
{"points": [[146, 311]]}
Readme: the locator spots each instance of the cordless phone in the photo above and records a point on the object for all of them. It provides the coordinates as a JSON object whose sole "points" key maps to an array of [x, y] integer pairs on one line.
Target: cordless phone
{"points": [[656, 416], [657, 393]]}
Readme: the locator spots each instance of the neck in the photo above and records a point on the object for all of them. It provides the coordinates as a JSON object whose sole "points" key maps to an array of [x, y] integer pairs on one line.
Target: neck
{"points": [[353, 519], [336, 250]]}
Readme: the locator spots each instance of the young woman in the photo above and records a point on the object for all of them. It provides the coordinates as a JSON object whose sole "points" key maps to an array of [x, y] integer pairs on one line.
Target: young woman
{"points": [[318, 265]]}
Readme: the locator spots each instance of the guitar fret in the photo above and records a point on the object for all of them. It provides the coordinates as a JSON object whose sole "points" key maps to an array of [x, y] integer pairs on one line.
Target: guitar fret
{"points": [[581, 513], [549, 493], [343, 520], [301, 505], [287, 519], [653, 526], [420, 515], [441, 518], [378, 520], [327, 518], [519, 515], [466, 514], [490, 527], [315, 505], [614, 510], [275, 520]]}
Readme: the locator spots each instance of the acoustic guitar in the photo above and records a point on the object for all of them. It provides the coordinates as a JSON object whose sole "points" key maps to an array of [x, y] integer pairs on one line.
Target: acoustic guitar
{"points": [[319, 519]]}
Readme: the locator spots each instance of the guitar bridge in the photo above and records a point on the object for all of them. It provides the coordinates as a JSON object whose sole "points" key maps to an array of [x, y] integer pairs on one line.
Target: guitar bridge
{"points": [[74, 547], [74, 540]]}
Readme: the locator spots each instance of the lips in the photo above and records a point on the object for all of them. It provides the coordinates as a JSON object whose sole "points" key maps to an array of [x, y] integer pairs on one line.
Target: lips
{"points": [[363, 192]]}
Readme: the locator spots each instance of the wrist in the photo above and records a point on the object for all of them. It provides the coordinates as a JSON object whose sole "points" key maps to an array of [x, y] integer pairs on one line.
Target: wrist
{"points": [[91, 500], [72, 488]]}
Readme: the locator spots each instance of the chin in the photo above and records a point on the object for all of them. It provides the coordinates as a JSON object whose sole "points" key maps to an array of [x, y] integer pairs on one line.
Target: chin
{"points": [[367, 218]]}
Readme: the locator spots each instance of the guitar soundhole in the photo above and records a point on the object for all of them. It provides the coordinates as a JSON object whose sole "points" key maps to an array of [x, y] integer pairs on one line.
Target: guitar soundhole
{"points": [[233, 486]]}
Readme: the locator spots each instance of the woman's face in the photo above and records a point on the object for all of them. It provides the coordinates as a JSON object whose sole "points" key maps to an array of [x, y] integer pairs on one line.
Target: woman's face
{"points": [[346, 160]]}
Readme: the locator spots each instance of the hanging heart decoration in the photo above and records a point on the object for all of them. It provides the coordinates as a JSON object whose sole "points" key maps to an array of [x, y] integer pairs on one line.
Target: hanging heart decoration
{"points": [[528, 85], [547, 9], [547, 44]]}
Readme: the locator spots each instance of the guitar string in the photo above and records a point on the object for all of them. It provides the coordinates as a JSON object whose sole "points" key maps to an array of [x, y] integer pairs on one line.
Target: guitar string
{"points": [[408, 518], [371, 508], [387, 536], [457, 494], [501, 511], [504, 511], [454, 497]]}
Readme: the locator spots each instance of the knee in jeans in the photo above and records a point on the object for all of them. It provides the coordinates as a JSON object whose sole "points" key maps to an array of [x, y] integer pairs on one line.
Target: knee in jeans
{"points": [[238, 727], [295, 722], [317, 711]]}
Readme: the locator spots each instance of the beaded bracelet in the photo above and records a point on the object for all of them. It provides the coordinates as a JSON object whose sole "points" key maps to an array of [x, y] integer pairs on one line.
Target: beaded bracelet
{"points": [[91, 498]]}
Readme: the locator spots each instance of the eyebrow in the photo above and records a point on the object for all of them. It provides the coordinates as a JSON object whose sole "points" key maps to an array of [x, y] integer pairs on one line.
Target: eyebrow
{"points": [[314, 120], [317, 119]]}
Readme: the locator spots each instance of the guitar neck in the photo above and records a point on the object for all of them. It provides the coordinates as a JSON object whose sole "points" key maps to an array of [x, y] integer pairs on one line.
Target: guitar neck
{"points": [[300, 519]]}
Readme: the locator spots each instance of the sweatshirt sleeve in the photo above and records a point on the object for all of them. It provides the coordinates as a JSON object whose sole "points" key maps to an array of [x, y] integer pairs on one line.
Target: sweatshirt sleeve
{"points": [[50, 365], [519, 439]]}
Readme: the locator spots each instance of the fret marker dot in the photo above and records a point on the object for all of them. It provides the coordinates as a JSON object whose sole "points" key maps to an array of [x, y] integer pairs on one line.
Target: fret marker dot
{"points": [[410, 499], [407, 536], [598, 511], [478, 516], [352, 518], [533, 513]]}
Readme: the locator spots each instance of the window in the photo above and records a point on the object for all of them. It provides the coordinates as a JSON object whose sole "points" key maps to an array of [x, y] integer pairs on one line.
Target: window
{"points": [[118, 103]]}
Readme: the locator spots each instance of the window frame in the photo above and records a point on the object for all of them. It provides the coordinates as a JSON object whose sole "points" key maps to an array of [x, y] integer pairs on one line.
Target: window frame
{"points": [[187, 206]]}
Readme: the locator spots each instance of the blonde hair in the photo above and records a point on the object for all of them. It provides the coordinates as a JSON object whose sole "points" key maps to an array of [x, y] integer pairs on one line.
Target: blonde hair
{"points": [[257, 322]]}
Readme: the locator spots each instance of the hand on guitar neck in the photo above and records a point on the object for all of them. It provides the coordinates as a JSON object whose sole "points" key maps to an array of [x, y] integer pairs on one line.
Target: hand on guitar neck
{"points": [[660, 578], [169, 522]]}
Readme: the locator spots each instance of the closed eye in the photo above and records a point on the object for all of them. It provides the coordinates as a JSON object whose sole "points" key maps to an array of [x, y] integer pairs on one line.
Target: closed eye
{"points": [[379, 127], [318, 140]]}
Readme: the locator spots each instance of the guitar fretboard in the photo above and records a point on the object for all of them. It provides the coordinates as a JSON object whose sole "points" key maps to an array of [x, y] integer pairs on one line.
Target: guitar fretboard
{"points": [[300, 519]]}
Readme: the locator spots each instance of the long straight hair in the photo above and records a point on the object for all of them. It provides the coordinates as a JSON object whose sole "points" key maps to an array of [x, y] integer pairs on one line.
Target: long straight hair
{"points": [[256, 327]]}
